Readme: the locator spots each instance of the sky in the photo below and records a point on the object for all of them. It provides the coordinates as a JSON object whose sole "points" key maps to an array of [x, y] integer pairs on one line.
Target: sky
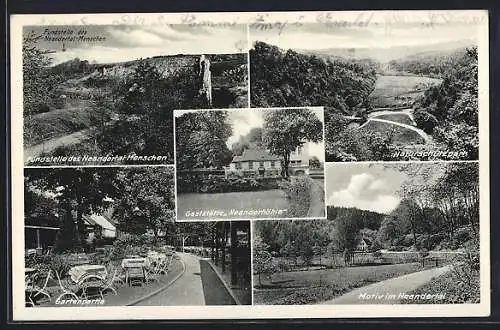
{"points": [[243, 120], [372, 188], [314, 36], [117, 43]]}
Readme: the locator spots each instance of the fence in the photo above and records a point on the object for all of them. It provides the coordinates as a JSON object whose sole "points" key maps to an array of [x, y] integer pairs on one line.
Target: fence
{"points": [[361, 258]]}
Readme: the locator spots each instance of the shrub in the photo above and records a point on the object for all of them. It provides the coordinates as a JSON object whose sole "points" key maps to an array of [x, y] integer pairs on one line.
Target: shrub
{"points": [[397, 248], [220, 184], [408, 240], [60, 263], [298, 192], [377, 254], [425, 120], [124, 245], [461, 236]]}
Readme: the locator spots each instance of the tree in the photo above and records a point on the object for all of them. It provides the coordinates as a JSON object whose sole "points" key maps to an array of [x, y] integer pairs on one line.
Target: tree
{"points": [[201, 140], [457, 195], [145, 200], [287, 129], [262, 260], [346, 232], [78, 191], [144, 102], [36, 78]]}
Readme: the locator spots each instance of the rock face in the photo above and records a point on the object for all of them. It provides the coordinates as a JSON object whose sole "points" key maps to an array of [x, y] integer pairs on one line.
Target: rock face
{"points": [[167, 65]]}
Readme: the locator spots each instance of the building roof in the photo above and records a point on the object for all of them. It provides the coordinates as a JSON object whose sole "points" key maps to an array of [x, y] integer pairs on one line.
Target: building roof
{"points": [[255, 155], [99, 220]]}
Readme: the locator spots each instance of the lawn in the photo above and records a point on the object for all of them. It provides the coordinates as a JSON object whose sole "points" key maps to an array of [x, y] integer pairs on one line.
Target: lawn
{"points": [[387, 87], [397, 117], [315, 286], [196, 206], [401, 135]]}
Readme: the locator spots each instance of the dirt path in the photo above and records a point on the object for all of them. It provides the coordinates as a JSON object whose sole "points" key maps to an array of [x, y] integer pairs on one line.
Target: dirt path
{"points": [[408, 112], [52, 144], [387, 292]]}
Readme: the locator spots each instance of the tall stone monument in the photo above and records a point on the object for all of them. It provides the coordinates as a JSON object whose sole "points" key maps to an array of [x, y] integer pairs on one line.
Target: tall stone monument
{"points": [[205, 74]]}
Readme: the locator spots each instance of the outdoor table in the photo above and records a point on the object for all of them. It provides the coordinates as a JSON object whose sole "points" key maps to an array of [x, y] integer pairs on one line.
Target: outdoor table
{"points": [[77, 273], [134, 268], [78, 259], [156, 257], [134, 262]]}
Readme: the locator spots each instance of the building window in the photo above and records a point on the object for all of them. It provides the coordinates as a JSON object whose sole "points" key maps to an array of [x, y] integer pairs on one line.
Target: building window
{"points": [[298, 162], [238, 166], [261, 164], [250, 165], [273, 164]]}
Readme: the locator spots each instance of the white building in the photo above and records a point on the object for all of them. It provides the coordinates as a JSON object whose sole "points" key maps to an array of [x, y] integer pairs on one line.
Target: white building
{"points": [[260, 162]]}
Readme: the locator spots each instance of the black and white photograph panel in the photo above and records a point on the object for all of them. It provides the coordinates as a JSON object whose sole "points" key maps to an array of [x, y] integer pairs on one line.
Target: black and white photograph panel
{"points": [[405, 233], [249, 163], [102, 94], [106, 236], [405, 90]]}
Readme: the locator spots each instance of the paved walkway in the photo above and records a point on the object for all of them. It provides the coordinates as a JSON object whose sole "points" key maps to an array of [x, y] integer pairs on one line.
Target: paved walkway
{"points": [[186, 291], [386, 292], [317, 206]]}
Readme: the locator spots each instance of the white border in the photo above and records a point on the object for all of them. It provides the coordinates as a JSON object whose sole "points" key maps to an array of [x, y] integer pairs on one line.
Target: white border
{"points": [[377, 18], [250, 219]]}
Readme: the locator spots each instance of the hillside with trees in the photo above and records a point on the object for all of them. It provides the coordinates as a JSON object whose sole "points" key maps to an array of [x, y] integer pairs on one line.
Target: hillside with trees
{"points": [[281, 78], [450, 110], [430, 64], [82, 108]]}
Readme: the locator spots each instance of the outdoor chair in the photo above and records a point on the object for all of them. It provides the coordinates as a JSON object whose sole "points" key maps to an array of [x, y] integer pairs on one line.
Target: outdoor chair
{"points": [[113, 277], [40, 288], [50, 250], [116, 272], [164, 265], [153, 273], [67, 287], [28, 289], [92, 282]]}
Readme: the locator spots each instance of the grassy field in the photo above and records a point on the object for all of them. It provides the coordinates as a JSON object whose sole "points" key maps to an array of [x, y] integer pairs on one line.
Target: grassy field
{"points": [[388, 87], [397, 117], [189, 204], [309, 287], [401, 135]]}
